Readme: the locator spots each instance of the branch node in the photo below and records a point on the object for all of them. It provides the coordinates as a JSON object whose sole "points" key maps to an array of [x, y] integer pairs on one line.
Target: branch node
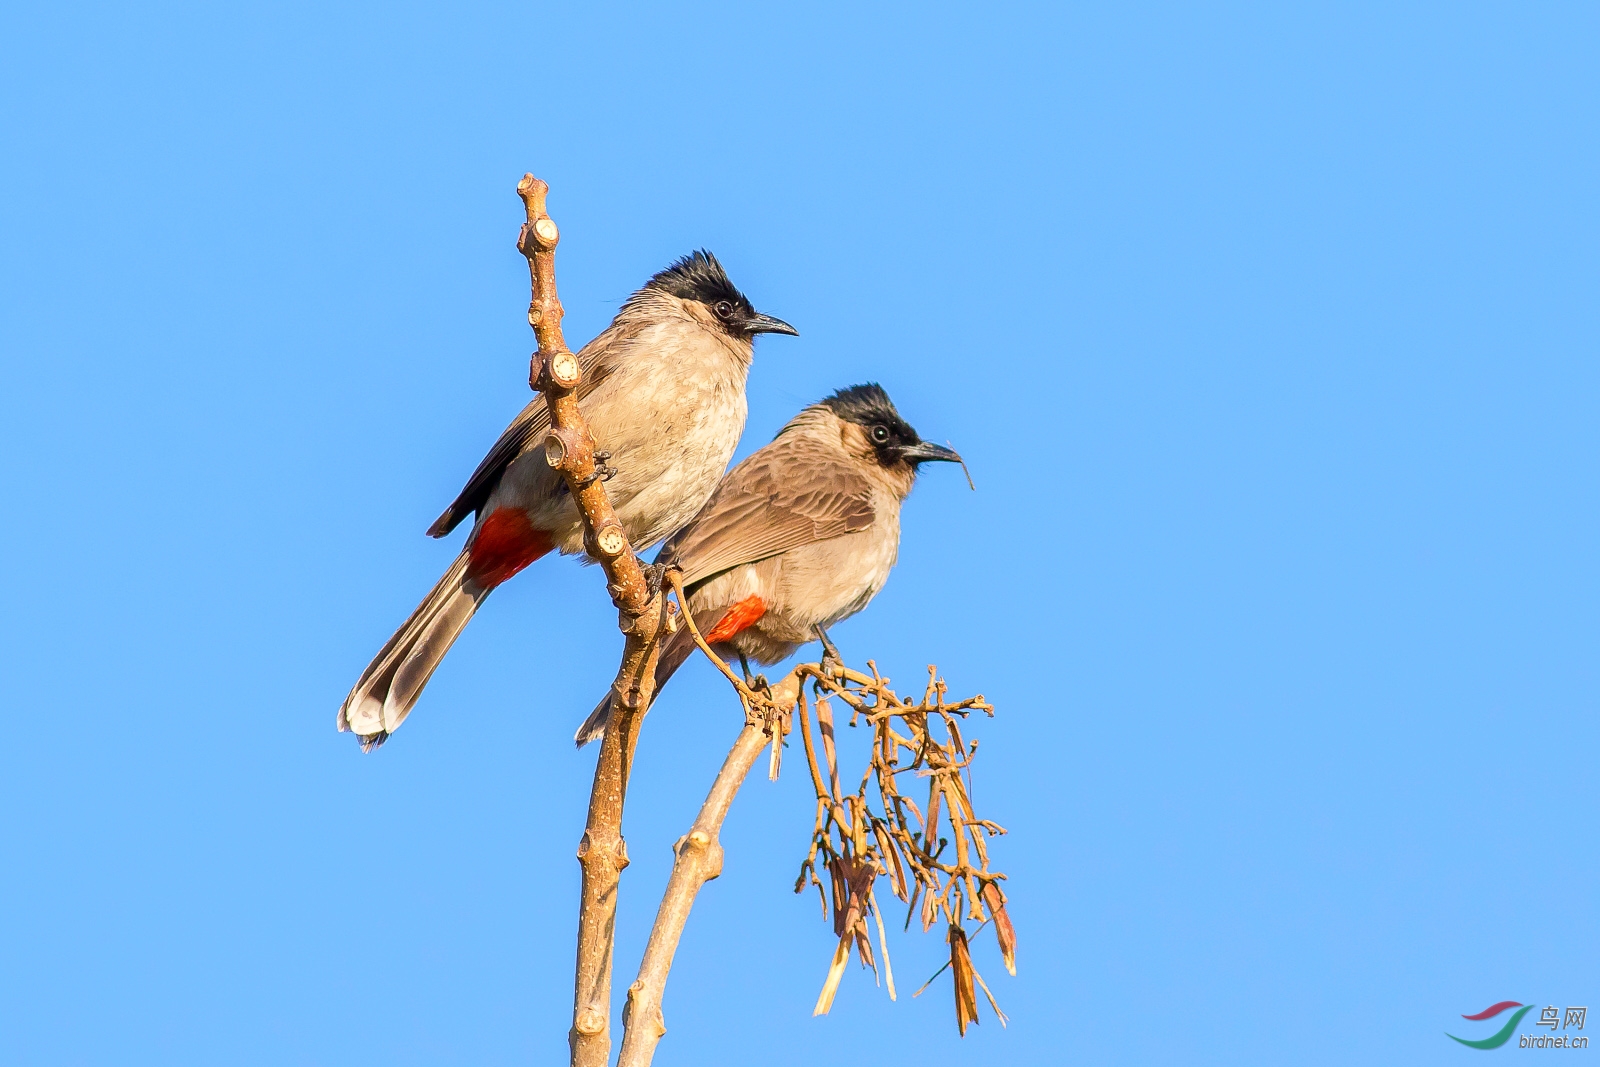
{"points": [[561, 370], [563, 448], [545, 234], [610, 541], [646, 624]]}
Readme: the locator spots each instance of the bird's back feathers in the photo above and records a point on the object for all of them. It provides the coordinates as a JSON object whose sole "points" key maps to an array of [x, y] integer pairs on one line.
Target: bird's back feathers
{"points": [[791, 493]]}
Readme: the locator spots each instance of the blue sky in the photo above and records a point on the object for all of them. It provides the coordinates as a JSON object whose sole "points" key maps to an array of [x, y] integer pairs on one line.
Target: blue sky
{"points": [[1271, 329]]}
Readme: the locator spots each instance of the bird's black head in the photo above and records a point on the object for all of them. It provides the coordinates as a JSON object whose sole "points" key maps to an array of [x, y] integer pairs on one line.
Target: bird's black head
{"points": [[700, 277], [892, 438]]}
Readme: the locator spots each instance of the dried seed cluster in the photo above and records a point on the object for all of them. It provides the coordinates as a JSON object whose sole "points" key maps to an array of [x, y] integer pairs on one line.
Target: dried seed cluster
{"points": [[880, 831]]}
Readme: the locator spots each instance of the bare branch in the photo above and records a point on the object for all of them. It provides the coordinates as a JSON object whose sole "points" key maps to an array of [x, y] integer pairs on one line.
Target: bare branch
{"points": [[569, 448], [698, 860], [642, 616]]}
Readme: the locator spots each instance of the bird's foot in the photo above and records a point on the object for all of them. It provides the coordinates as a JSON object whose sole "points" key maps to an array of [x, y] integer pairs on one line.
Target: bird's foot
{"points": [[654, 575], [831, 660], [602, 473], [754, 681]]}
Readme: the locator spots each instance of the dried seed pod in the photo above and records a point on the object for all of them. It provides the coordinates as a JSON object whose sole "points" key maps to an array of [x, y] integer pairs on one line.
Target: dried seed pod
{"points": [[912, 804], [930, 910], [840, 894], [930, 829], [863, 945], [825, 727], [841, 955], [1004, 932], [883, 943], [962, 973], [858, 823], [897, 874], [957, 748], [911, 905]]}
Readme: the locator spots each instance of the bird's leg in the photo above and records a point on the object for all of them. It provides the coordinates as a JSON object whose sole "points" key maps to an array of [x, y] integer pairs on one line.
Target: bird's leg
{"points": [[754, 681], [830, 651]]}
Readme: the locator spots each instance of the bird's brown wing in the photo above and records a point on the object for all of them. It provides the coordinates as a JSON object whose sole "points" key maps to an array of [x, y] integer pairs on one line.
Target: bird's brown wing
{"points": [[528, 428], [793, 492]]}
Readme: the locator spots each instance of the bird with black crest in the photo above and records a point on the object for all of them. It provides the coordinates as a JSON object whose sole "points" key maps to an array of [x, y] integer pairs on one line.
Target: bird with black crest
{"points": [[799, 536], [663, 391]]}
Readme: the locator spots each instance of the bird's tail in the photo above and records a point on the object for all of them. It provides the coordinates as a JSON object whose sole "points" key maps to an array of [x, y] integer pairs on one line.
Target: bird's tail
{"points": [[675, 651], [390, 685]]}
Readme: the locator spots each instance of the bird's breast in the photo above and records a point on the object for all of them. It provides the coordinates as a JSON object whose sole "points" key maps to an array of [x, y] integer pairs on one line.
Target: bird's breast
{"points": [[669, 411]]}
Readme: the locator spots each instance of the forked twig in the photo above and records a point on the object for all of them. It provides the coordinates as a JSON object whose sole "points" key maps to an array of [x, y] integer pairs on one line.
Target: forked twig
{"points": [[697, 860], [853, 842]]}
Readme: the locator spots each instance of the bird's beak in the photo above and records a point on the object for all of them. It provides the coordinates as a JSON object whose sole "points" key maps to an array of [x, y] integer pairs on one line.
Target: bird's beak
{"points": [[927, 451], [759, 323]]}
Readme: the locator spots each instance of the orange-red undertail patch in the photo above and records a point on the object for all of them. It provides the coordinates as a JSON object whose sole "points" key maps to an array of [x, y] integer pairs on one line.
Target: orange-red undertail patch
{"points": [[506, 543], [739, 617]]}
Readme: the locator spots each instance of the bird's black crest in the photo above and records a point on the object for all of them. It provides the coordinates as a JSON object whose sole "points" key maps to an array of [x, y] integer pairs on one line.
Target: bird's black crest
{"points": [[888, 435], [865, 404], [698, 277]]}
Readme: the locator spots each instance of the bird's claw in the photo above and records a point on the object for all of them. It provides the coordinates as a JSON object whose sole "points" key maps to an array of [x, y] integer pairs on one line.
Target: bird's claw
{"points": [[830, 651], [654, 575], [602, 473]]}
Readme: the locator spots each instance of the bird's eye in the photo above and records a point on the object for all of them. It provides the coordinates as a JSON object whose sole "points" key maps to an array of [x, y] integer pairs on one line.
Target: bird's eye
{"points": [[723, 309], [880, 433]]}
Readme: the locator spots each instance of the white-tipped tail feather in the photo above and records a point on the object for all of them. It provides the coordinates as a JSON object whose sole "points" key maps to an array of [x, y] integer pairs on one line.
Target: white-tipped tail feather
{"points": [[390, 685], [594, 727]]}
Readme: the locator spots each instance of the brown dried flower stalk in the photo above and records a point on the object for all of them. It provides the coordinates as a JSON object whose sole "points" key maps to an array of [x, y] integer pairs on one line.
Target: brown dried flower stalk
{"points": [[879, 831], [853, 840]]}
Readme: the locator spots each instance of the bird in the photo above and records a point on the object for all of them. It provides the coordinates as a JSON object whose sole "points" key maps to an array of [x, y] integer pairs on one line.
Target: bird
{"points": [[799, 536], [663, 392]]}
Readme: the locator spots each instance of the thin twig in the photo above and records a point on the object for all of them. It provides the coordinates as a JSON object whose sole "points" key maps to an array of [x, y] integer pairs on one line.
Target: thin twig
{"points": [[675, 579]]}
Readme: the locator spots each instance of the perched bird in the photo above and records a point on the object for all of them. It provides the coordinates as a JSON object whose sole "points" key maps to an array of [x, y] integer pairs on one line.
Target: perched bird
{"points": [[797, 537], [663, 391]]}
